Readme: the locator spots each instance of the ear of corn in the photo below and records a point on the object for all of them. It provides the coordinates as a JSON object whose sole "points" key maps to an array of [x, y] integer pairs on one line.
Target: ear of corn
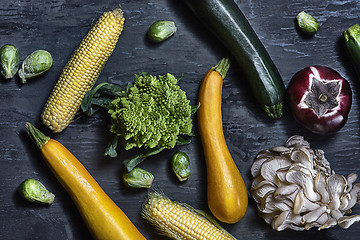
{"points": [[179, 221], [82, 70]]}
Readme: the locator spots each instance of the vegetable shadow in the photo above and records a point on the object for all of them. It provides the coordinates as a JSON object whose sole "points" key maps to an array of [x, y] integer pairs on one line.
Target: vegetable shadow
{"points": [[350, 71], [21, 203], [312, 233], [5, 81], [196, 28], [347, 65], [151, 44]]}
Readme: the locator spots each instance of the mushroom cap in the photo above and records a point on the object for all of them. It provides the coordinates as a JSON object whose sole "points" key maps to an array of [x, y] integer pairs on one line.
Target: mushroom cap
{"points": [[336, 184], [320, 186], [268, 168]]}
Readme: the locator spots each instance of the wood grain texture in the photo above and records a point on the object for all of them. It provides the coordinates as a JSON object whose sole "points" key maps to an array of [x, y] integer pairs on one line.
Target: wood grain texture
{"points": [[58, 26]]}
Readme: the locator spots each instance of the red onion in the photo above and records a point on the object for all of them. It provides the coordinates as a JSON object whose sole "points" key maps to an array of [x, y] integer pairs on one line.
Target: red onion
{"points": [[320, 99]]}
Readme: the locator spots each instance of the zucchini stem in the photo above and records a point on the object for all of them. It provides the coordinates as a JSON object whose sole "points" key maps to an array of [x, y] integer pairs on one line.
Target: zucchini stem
{"points": [[36, 135], [352, 32], [222, 67], [274, 111]]}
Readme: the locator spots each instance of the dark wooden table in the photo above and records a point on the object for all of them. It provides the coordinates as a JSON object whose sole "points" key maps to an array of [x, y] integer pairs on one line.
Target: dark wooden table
{"points": [[58, 26]]}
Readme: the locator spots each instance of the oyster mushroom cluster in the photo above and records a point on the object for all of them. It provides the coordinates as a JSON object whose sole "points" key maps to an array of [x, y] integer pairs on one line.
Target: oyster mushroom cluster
{"points": [[295, 188]]}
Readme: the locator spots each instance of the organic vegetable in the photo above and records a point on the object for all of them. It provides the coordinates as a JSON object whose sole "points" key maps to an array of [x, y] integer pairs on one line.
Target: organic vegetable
{"points": [[227, 194], [34, 191], [226, 20], [307, 23], [295, 188], [352, 45], [153, 114], [10, 60], [180, 221], [103, 217], [35, 64], [138, 178], [320, 99], [181, 165], [161, 30], [82, 70]]}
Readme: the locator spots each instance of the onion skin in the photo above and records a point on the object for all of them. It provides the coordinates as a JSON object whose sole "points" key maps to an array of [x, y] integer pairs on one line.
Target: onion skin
{"points": [[333, 119]]}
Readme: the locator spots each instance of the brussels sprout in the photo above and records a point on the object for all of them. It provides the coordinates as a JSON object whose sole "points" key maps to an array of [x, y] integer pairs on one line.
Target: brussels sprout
{"points": [[35, 64], [181, 165], [34, 191], [161, 30], [307, 23], [138, 178], [10, 60]]}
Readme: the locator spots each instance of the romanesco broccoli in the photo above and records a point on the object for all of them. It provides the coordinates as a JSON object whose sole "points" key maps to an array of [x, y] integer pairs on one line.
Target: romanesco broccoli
{"points": [[153, 112]]}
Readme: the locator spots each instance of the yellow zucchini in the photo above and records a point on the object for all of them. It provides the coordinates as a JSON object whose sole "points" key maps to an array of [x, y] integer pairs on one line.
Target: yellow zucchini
{"points": [[104, 219], [227, 194]]}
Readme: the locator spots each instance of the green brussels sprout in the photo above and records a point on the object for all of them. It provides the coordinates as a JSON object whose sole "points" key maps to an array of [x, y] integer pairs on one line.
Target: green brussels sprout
{"points": [[161, 30], [138, 178], [10, 60], [35, 64], [34, 191], [307, 23], [181, 165]]}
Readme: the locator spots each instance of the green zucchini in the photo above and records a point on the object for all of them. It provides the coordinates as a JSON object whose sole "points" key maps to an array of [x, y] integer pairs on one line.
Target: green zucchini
{"points": [[227, 22], [352, 45]]}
